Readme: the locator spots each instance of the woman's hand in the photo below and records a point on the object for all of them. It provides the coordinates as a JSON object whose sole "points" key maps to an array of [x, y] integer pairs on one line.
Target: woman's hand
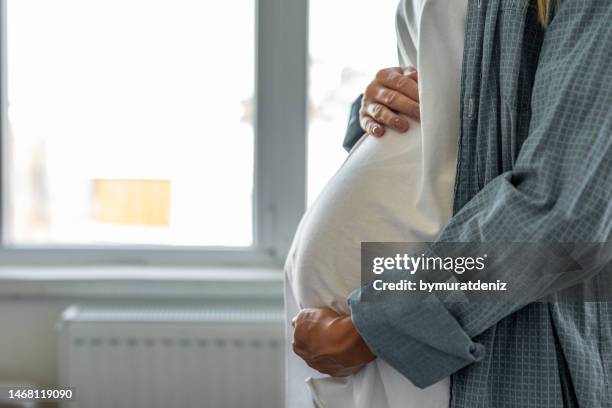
{"points": [[329, 343], [390, 99]]}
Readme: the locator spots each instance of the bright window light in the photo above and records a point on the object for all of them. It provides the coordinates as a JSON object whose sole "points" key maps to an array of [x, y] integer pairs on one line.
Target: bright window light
{"points": [[130, 122], [350, 40]]}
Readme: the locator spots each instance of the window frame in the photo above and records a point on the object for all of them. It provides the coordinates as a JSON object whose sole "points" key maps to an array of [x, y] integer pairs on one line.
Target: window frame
{"points": [[279, 199]]}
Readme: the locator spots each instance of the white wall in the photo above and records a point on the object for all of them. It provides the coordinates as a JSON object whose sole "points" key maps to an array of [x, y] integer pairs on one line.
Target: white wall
{"points": [[27, 340], [30, 309]]}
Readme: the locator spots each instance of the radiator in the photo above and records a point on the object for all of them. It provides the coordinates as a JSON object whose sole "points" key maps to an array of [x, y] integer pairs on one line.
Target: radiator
{"points": [[172, 358]]}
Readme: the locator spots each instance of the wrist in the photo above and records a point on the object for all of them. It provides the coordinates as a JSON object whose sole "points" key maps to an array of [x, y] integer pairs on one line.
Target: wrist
{"points": [[353, 340]]}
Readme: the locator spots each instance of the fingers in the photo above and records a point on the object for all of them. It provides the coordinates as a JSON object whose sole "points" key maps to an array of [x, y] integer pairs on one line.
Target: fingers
{"points": [[389, 101], [385, 73], [303, 315], [414, 75], [394, 100], [321, 337], [371, 127], [345, 371], [325, 365], [301, 336], [386, 117], [301, 352], [322, 364], [308, 321], [313, 315], [405, 84], [396, 91]]}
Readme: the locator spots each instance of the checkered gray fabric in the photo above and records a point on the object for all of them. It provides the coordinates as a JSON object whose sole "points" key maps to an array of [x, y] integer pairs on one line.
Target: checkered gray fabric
{"points": [[535, 165]]}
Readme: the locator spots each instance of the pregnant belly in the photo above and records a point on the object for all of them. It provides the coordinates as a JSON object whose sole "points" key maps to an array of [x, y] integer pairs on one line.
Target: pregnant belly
{"points": [[374, 196]]}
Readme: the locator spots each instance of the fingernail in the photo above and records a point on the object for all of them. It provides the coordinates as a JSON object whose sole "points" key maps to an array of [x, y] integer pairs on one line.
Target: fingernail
{"points": [[376, 130], [400, 125]]}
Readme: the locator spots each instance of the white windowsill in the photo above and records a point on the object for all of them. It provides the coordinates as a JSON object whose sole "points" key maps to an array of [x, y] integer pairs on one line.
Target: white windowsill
{"points": [[141, 282]]}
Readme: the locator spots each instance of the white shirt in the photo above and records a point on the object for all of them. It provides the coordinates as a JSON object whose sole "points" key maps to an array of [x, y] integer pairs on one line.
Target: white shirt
{"points": [[395, 188]]}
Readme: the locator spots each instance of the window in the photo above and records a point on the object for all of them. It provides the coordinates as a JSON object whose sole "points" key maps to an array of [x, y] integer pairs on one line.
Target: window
{"points": [[175, 130], [365, 34], [116, 133]]}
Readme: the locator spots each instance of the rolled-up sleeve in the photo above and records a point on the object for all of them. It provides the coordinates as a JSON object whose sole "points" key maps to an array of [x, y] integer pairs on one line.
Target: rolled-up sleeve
{"points": [[421, 339]]}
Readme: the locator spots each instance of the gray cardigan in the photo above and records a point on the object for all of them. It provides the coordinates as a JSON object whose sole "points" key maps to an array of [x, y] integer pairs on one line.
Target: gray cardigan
{"points": [[535, 164]]}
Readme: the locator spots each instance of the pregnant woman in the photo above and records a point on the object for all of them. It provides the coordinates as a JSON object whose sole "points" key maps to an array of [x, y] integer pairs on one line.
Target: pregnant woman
{"points": [[395, 188]]}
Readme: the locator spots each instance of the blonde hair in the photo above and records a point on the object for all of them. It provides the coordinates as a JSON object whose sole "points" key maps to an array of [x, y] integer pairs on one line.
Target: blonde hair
{"points": [[544, 9]]}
